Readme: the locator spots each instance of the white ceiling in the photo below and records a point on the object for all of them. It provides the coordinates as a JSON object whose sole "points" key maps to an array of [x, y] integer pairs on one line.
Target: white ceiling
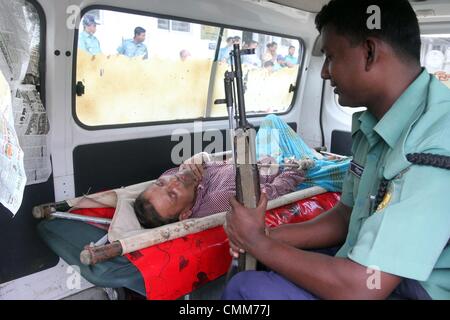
{"points": [[305, 5], [316, 5]]}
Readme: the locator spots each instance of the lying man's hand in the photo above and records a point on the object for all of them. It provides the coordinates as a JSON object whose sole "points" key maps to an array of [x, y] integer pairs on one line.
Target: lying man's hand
{"points": [[303, 164], [197, 169], [195, 164], [268, 166]]}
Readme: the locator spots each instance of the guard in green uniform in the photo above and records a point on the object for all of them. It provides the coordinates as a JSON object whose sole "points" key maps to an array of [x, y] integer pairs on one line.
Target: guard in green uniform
{"points": [[86, 40], [393, 221], [405, 234]]}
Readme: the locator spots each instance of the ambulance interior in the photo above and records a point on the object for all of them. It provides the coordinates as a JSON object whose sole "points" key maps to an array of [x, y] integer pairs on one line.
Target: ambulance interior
{"points": [[90, 122]]}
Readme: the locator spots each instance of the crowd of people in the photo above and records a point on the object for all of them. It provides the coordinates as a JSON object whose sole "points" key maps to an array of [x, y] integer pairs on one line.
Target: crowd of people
{"points": [[270, 58]]}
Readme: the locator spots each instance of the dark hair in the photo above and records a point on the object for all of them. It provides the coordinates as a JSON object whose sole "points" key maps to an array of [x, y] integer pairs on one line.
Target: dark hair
{"points": [[291, 47], [399, 24], [147, 215], [271, 44], [138, 31]]}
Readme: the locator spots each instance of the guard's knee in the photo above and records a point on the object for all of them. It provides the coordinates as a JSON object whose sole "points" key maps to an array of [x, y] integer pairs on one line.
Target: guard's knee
{"points": [[243, 285]]}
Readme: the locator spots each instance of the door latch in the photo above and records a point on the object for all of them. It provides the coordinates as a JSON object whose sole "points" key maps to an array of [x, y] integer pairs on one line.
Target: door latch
{"points": [[79, 88]]}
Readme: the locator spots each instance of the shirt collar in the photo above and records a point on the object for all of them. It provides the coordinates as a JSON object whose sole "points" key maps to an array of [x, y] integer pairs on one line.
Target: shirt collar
{"points": [[391, 126], [137, 44], [365, 122]]}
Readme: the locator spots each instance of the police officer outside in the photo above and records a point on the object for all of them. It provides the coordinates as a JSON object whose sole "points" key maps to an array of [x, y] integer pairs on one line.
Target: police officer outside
{"points": [[87, 41], [135, 47]]}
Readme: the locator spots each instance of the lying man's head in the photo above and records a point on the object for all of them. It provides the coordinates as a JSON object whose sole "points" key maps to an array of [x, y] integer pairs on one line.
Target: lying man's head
{"points": [[166, 201]]}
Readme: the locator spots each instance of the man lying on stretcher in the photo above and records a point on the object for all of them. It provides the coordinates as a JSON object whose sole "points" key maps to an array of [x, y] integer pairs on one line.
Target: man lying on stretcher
{"points": [[201, 187]]}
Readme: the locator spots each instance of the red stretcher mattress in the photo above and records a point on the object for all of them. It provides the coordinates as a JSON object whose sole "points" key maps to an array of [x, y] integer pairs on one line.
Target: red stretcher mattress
{"points": [[178, 267]]}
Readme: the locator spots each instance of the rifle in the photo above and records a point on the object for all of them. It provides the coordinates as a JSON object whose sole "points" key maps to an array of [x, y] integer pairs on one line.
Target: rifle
{"points": [[243, 146]]}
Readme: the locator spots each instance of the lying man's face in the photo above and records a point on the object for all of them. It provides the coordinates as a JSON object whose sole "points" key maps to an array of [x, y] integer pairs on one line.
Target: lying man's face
{"points": [[168, 200]]}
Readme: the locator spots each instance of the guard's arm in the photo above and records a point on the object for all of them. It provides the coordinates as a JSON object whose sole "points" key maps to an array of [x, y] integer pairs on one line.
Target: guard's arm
{"points": [[326, 277]]}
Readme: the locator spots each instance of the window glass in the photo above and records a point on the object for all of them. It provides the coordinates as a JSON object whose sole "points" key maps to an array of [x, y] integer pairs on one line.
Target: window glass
{"points": [[163, 24], [435, 56], [136, 68], [181, 26], [268, 74]]}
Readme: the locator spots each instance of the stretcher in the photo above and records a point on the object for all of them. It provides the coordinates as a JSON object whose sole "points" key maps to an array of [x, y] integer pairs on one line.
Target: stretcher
{"points": [[177, 263]]}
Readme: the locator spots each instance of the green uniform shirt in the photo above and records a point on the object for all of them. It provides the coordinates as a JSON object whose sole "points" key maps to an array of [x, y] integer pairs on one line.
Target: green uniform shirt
{"points": [[408, 234], [88, 42]]}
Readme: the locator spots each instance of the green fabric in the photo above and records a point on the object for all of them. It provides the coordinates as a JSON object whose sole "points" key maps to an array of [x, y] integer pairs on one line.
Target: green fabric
{"points": [[409, 235], [276, 139], [67, 239]]}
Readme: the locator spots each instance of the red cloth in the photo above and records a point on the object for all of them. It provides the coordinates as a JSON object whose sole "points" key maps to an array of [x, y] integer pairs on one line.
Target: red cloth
{"points": [[177, 267], [106, 213], [302, 210]]}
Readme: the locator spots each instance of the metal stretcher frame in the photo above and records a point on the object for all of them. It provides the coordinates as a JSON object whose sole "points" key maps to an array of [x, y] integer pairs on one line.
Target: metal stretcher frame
{"points": [[95, 253], [150, 237], [115, 271], [67, 238]]}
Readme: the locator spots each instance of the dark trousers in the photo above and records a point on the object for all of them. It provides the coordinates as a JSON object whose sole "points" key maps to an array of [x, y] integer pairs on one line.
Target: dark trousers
{"points": [[269, 285]]}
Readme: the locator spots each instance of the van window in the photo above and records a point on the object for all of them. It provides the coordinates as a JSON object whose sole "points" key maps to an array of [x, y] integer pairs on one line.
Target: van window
{"points": [[138, 69], [435, 56]]}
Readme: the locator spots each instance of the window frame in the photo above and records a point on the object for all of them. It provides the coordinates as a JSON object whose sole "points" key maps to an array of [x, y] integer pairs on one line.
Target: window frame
{"points": [[177, 30], [168, 24], [170, 17]]}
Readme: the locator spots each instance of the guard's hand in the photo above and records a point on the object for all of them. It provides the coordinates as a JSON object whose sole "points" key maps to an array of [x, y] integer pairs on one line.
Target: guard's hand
{"points": [[235, 251], [245, 226]]}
